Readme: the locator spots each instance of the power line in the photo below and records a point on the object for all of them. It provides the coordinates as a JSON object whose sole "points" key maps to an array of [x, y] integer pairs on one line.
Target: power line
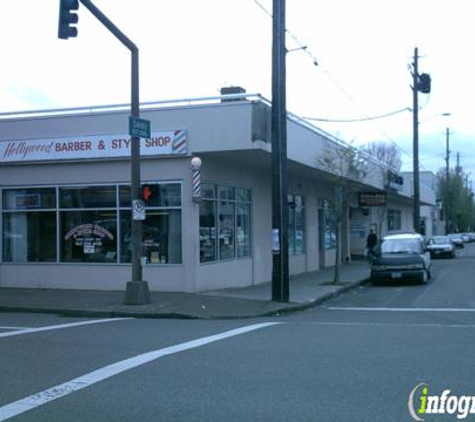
{"points": [[363, 119], [301, 46], [304, 48]]}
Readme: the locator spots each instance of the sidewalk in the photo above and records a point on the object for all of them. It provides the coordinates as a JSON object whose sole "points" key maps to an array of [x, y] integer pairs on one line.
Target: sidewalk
{"points": [[249, 302]]}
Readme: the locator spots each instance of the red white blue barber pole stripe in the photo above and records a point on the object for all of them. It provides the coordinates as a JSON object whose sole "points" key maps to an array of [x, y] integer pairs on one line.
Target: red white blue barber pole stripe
{"points": [[196, 183], [179, 145], [196, 178]]}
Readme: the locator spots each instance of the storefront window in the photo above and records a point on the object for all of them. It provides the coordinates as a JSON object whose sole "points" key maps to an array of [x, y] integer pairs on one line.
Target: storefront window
{"points": [[29, 225], [243, 230], [208, 231], [225, 223], [29, 237], [208, 191], [394, 220], [29, 199], [161, 236], [226, 230], [88, 236], [88, 197], [89, 224]]}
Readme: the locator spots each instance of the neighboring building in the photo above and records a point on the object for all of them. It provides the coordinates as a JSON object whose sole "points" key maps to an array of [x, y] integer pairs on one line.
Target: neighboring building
{"points": [[65, 188], [431, 222]]}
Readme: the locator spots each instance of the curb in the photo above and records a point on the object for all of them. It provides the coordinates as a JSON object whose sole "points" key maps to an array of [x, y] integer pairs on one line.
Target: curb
{"points": [[286, 309]]}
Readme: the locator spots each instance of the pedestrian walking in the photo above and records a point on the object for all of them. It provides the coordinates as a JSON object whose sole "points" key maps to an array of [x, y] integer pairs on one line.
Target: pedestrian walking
{"points": [[371, 242]]}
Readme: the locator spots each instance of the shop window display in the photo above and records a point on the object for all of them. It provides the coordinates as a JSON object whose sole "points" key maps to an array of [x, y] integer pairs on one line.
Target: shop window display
{"points": [[88, 224], [88, 236], [225, 223]]}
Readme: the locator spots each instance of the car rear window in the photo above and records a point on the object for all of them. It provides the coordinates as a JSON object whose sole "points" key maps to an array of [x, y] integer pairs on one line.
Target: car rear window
{"points": [[400, 246]]}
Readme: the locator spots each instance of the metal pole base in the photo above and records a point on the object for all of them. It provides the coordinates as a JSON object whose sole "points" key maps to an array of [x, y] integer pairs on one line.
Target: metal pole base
{"points": [[137, 293]]}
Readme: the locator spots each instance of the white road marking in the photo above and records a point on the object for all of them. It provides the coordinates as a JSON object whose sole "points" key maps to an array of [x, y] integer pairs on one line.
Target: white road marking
{"points": [[58, 327], [343, 308], [391, 324], [28, 403], [2, 327]]}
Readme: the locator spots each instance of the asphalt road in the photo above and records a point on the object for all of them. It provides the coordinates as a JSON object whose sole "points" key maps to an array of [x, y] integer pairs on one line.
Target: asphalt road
{"points": [[356, 358]]}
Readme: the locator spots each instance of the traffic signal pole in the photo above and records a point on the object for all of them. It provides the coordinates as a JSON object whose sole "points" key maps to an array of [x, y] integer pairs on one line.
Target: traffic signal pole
{"points": [[137, 291]]}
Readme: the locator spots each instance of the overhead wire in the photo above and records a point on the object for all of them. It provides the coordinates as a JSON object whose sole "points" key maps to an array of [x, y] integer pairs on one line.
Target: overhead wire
{"points": [[307, 51], [362, 119]]}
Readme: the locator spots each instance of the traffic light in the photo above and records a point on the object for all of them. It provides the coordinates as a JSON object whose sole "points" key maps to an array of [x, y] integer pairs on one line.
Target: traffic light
{"points": [[424, 83], [67, 18], [150, 193]]}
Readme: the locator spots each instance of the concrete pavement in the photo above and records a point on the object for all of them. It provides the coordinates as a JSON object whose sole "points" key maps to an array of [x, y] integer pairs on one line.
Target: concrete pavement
{"points": [[306, 290]]}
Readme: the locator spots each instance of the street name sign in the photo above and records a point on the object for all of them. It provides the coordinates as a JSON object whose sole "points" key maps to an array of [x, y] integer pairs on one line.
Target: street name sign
{"points": [[139, 127]]}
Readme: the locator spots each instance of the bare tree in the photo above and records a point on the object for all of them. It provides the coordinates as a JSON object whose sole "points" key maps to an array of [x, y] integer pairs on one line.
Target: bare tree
{"points": [[385, 152], [347, 167]]}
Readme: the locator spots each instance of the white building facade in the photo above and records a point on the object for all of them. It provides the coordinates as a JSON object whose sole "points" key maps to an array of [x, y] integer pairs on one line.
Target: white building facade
{"points": [[66, 209]]}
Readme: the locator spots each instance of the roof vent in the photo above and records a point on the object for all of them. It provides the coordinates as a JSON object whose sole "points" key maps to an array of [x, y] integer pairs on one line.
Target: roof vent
{"points": [[232, 93]]}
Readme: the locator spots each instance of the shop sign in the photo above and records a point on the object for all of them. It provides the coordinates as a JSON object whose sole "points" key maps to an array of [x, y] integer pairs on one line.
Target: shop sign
{"points": [[166, 143], [89, 237], [372, 199]]}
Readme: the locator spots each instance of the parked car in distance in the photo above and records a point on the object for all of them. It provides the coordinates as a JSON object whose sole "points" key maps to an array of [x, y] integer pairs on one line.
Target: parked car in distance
{"points": [[471, 237], [401, 256], [440, 246], [456, 239]]}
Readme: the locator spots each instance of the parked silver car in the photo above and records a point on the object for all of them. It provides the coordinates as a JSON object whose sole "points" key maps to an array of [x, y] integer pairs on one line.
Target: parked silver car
{"points": [[441, 246], [456, 239]]}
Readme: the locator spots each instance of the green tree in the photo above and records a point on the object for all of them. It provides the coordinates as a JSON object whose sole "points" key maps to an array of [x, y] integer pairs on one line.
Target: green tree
{"points": [[457, 200]]}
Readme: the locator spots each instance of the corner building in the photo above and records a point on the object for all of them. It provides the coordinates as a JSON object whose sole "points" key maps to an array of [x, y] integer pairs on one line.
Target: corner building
{"points": [[66, 210]]}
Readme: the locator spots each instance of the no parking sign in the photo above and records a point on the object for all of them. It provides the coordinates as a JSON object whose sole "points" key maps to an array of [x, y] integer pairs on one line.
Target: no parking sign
{"points": [[138, 209]]}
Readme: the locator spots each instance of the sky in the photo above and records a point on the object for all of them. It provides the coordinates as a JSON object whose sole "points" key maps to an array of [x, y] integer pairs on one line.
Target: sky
{"points": [[189, 48]]}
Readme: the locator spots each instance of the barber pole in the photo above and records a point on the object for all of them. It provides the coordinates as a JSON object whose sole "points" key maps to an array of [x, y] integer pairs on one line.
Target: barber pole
{"points": [[196, 183], [196, 178]]}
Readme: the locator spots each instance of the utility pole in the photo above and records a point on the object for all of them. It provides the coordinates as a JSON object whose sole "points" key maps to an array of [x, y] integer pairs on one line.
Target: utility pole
{"points": [[447, 183], [415, 115], [420, 83], [280, 214]]}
